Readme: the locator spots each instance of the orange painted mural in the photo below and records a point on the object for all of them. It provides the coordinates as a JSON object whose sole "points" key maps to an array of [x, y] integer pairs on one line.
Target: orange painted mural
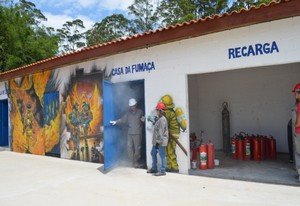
{"points": [[57, 115], [26, 116]]}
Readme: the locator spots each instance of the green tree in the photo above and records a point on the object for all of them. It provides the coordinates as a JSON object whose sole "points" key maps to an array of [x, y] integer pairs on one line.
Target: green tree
{"points": [[176, 11], [110, 28], [71, 38], [239, 4], [22, 39], [210, 7], [145, 15]]}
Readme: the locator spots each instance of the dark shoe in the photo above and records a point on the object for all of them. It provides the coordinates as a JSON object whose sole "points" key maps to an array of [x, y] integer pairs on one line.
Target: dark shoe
{"points": [[160, 174], [151, 171]]}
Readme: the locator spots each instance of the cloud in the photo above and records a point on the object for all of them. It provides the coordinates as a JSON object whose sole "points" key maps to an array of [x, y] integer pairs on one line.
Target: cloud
{"points": [[57, 21], [115, 4], [87, 3]]}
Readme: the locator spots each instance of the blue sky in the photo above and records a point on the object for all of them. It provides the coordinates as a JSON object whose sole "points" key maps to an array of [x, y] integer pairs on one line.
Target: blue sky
{"points": [[89, 11]]}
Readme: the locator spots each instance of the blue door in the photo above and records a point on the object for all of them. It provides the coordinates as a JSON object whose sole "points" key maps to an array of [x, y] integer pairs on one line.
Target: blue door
{"points": [[51, 109], [112, 146], [4, 123]]}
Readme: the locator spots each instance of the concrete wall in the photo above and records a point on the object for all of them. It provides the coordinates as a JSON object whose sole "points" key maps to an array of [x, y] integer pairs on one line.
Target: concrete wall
{"points": [[260, 101]]}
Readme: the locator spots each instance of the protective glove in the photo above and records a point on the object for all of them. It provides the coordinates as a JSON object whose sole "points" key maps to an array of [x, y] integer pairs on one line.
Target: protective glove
{"points": [[151, 119], [157, 145], [143, 119], [113, 122]]}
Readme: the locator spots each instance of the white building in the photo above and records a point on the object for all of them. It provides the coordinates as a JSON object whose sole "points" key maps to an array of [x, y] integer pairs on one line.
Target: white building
{"points": [[249, 59]]}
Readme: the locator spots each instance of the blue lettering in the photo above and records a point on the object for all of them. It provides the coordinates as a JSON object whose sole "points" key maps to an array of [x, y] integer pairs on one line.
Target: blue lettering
{"points": [[258, 48], [251, 51], [274, 47], [244, 51], [141, 67], [152, 64], [117, 71], [133, 68], [127, 70], [231, 53], [267, 48], [238, 52]]}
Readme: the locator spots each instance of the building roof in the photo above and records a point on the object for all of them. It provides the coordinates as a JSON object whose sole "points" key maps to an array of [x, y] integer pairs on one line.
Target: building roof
{"points": [[254, 15]]}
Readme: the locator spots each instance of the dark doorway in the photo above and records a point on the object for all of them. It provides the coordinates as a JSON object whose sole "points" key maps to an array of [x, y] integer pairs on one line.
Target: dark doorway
{"points": [[116, 97], [4, 123]]}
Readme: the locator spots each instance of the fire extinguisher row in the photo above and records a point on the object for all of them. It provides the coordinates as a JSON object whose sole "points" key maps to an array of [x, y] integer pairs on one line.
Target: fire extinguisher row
{"points": [[253, 147]]}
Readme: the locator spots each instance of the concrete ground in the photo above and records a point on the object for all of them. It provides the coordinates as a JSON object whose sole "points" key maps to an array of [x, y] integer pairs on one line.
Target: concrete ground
{"points": [[38, 180], [279, 171]]}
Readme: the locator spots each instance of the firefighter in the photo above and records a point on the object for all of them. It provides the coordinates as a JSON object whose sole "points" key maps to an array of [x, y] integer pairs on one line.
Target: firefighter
{"points": [[28, 127], [86, 117], [174, 132], [296, 128], [134, 120], [74, 118], [159, 141]]}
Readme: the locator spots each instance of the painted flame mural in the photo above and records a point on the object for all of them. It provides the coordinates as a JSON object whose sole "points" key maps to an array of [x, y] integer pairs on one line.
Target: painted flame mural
{"points": [[84, 118], [26, 98]]}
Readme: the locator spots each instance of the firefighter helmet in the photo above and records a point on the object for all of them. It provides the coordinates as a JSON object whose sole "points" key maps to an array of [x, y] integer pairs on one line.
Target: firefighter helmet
{"points": [[168, 101], [296, 88]]}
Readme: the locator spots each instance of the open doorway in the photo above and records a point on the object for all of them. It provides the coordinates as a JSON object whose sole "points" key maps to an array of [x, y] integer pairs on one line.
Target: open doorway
{"points": [[116, 98], [4, 123], [259, 102]]}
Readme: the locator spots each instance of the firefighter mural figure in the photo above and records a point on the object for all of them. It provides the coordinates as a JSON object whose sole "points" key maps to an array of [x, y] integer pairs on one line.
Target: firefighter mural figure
{"points": [[74, 118], [296, 128], [86, 117], [28, 127], [176, 120]]}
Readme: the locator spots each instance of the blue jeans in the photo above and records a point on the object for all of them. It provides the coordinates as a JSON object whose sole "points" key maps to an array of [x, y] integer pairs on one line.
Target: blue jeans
{"points": [[162, 154]]}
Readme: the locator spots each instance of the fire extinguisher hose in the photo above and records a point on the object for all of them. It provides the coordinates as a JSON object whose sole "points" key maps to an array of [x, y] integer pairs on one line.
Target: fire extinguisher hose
{"points": [[178, 143]]}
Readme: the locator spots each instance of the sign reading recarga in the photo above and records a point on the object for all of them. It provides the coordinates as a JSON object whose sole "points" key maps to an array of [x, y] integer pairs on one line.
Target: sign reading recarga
{"points": [[253, 50]]}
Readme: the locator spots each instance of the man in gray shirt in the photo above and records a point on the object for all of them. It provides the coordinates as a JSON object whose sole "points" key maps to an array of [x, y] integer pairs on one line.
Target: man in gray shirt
{"points": [[134, 119]]}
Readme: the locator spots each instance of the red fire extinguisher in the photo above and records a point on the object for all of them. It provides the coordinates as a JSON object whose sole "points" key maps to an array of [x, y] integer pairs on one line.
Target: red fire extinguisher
{"points": [[239, 149], [256, 149], [194, 154], [272, 144], [247, 148], [203, 156], [210, 155], [233, 147], [263, 145]]}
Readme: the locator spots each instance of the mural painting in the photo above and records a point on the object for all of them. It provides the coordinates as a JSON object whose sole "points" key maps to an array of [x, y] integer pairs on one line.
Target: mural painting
{"points": [[177, 123], [27, 102], [84, 118], [52, 123]]}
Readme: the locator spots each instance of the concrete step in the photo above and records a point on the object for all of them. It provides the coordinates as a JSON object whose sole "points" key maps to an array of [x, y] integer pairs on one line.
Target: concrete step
{"points": [[4, 149]]}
